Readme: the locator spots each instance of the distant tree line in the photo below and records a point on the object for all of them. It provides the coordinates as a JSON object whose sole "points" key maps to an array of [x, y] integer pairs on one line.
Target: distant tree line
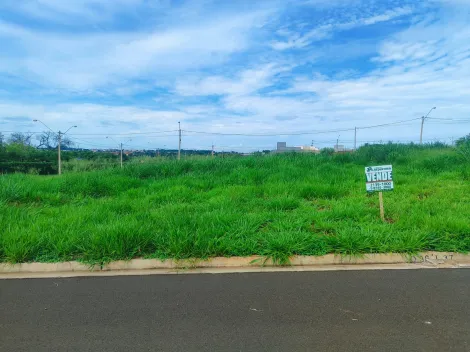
{"points": [[17, 153], [47, 140]]}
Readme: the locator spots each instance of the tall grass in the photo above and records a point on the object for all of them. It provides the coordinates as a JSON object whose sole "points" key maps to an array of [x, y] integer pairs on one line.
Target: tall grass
{"points": [[276, 206]]}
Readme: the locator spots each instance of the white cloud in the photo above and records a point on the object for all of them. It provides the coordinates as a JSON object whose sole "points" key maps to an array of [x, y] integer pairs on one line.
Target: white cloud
{"points": [[387, 16], [327, 3], [409, 51], [97, 119], [70, 11], [426, 65], [326, 31], [300, 41], [246, 82], [453, 2], [417, 75], [93, 60]]}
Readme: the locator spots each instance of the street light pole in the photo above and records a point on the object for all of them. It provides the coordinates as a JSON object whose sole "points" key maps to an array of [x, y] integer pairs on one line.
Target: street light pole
{"points": [[179, 141], [355, 138], [58, 148], [422, 125], [59, 141], [121, 155]]}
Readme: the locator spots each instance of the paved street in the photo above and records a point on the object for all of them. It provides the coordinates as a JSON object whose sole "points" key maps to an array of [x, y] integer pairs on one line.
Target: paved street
{"points": [[399, 310]]}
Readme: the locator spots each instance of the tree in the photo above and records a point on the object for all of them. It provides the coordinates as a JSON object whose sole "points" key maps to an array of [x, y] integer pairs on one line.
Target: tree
{"points": [[46, 140], [463, 146], [20, 138], [463, 141], [50, 140], [327, 151], [2, 139], [66, 142]]}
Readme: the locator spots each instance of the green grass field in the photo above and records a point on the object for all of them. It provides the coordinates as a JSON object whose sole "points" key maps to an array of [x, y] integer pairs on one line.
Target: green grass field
{"points": [[275, 205]]}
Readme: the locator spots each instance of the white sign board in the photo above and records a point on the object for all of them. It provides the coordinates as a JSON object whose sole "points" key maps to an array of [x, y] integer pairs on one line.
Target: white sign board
{"points": [[379, 178]]}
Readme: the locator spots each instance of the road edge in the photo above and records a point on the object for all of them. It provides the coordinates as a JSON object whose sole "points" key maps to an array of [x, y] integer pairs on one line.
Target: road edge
{"points": [[238, 264]]}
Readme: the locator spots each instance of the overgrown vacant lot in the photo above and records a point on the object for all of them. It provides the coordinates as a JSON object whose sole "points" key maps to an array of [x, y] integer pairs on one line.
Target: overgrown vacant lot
{"points": [[276, 206]]}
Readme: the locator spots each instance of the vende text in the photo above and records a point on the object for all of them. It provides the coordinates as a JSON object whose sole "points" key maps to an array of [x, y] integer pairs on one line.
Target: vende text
{"points": [[379, 176]]}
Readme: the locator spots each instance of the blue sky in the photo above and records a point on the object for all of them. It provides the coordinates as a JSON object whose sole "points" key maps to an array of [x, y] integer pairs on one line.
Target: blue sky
{"points": [[242, 67]]}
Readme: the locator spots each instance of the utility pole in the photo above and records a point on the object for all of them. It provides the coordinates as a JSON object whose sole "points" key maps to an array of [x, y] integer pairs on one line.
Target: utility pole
{"points": [[121, 155], [422, 125], [421, 134], [58, 149], [179, 141], [355, 138], [120, 145]]}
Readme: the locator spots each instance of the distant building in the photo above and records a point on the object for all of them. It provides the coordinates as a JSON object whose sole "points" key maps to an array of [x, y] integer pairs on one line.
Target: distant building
{"points": [[341, 149], [310, 148], [283, 148]]}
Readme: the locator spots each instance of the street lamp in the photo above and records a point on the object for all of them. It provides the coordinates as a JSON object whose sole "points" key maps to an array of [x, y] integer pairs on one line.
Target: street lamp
{"points": [[119, 145], [59, 141], [422, 125], [179, 140]]}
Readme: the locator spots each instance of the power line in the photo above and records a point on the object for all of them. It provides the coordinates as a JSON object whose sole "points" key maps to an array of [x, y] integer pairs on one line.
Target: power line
{"points": [[31, 133], [450, 122], [388, 124], [122, 134], [151, 137], [266, 134], [295, 133], [448, 119], [81, 141], [300, 133]]}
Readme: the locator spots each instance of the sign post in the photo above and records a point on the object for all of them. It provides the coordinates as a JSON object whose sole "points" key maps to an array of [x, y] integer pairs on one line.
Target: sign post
{"points": [[379, 179], [381, 204]]}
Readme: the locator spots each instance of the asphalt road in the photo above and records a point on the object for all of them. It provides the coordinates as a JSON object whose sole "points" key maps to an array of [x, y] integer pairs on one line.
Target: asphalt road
{"points": [[399, 310]]}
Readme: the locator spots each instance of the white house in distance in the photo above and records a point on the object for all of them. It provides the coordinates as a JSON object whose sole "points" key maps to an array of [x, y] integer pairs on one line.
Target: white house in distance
{"points": [[339, 148], [283, 148]]}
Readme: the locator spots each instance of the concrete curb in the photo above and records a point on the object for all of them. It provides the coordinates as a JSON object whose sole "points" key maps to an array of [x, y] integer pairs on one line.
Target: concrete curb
{"points": [[242, 264]]}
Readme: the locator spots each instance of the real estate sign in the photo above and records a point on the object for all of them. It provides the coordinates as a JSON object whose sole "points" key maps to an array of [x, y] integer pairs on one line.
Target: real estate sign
{"points": [[379, 178]]}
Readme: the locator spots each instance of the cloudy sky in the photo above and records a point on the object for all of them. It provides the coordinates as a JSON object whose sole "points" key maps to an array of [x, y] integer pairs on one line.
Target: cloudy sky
{"points": [[235, 69]]}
